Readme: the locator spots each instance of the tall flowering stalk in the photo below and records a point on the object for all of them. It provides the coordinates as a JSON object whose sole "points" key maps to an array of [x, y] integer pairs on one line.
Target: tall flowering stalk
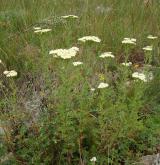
{"points": [[154, 46], [148, 54], [128, 45], [128, 42]]}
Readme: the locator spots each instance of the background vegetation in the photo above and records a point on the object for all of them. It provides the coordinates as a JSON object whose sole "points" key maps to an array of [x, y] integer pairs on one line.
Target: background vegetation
{"points": [[48, 114]]}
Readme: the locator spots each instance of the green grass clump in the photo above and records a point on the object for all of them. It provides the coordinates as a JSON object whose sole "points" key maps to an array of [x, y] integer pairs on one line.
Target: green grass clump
{"points": [[53, 112]]}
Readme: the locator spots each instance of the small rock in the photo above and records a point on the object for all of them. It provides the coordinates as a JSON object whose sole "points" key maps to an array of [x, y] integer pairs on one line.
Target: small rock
{"points": [[151, 159]]}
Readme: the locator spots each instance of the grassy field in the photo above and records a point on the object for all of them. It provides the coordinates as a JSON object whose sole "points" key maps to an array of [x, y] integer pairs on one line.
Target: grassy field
{"points": [[103, 110]]}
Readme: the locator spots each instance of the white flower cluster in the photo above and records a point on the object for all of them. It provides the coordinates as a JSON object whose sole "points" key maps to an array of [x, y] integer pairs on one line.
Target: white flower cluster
{"points": [[148, 48], [103, 85], [65, 53], [89, 38], [93, 89], [37, 28], [11, 73], [100, 86], [127, 63], [77, 63], [142, 76], [131, 41], [69, 16], [94, 159], [107, 54], [152, 37], [40, 30]]}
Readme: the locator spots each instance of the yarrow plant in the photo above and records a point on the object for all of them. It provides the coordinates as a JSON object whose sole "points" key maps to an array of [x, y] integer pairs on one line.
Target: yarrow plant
{"points": [[103, 85], [77, 63], [140, 76], [93, 89], [79, 105], [107, 54], [152, 37], [69, 16], [93, 160], [148, 48], [148, 54], [90, 38], [64, 53], [11, 73], [127, 64], [130, 41], [37, 28], [144, 77], [42, 30]]}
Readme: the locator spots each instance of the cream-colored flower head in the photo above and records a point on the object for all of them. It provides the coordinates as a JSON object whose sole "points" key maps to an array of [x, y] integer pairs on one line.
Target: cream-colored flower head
{"points": [[11, 73], [89, 38], [148, 48], [37, 28], [131, 41], [75, 49], [69, 16], [150, 76], [107, 54], [127, 64], [0, 61], [65, 53], [77, 63], [42, 31], [93, 89], [103, 85], [140, 76], [152, 37], [94, 159]]}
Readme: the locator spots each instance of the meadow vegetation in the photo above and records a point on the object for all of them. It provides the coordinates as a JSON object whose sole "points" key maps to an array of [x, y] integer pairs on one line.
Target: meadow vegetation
{"points": [[79, 81]]}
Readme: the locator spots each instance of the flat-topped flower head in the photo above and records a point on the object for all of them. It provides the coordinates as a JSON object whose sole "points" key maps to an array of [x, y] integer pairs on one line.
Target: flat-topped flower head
{"points": [[103, 85], [107, 54], [74, 48], [152, 37], [77, 63], [42, 31], [65, 53], [69, 16], [89, 38], [148, 48], [127, 63], [140, 76], [94, 159], [93, 89], [37, 28], [131, 41], [11, 73]]}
